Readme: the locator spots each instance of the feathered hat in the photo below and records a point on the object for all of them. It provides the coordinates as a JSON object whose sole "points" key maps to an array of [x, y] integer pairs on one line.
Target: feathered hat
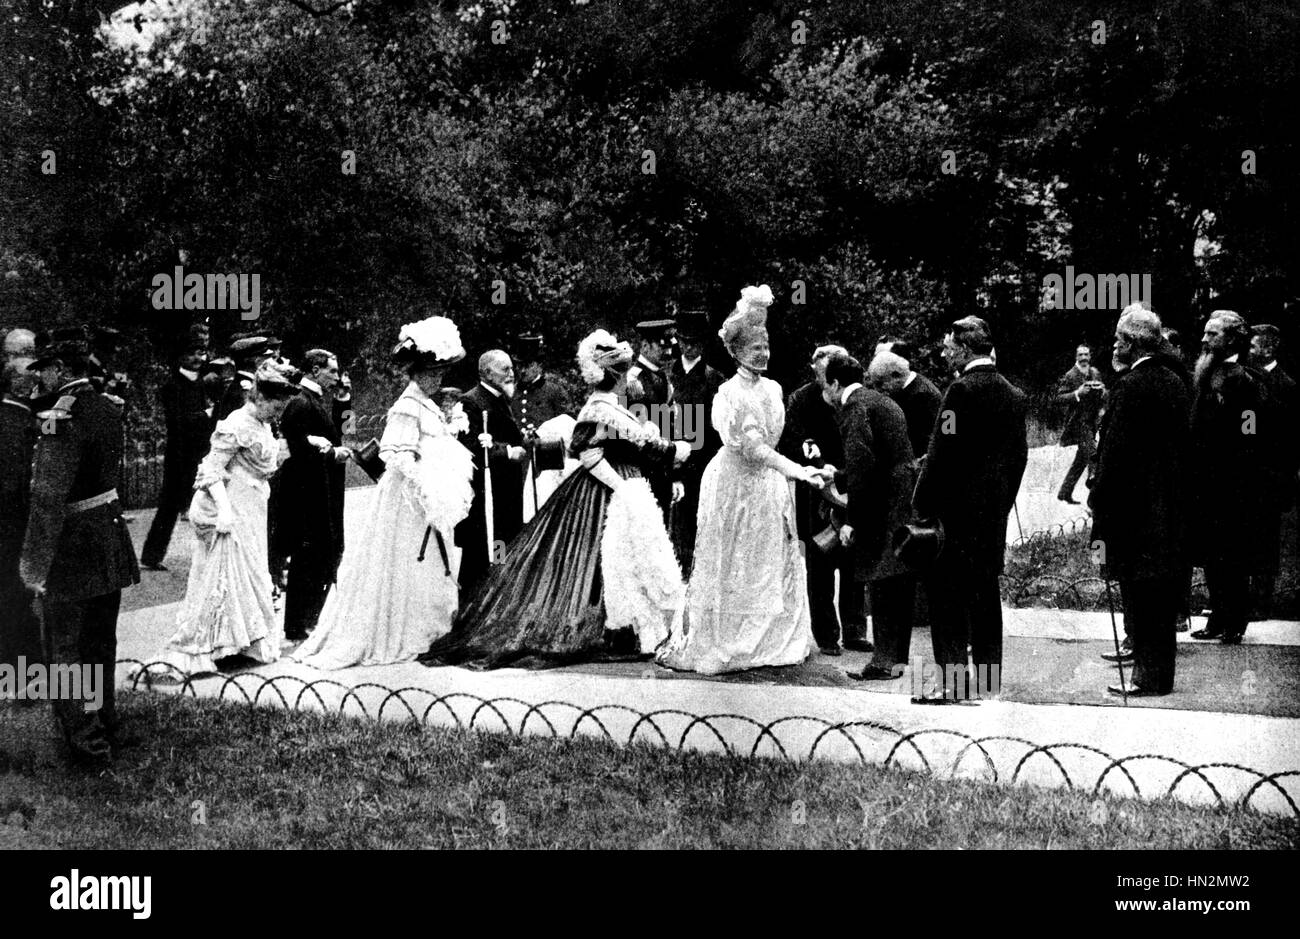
{"points": [[430, 342], [748, 320], [601, 352]]}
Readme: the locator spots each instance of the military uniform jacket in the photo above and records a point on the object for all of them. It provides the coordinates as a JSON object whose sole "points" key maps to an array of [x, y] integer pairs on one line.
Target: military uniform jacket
{"points": [[86, 553], [533, 405], [695, 390], [654, 386]]}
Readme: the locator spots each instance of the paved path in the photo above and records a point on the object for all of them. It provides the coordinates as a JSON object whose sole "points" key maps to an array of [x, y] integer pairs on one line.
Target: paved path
{"points": [[815, 710]]}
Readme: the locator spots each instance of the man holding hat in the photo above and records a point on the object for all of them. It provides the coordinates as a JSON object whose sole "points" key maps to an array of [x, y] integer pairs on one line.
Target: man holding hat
{"points": [[694, 385], [77, 554]]}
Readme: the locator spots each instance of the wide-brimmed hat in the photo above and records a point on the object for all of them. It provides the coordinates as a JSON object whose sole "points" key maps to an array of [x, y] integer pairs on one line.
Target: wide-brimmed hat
{"points": [[66, 351], [429, 343]]}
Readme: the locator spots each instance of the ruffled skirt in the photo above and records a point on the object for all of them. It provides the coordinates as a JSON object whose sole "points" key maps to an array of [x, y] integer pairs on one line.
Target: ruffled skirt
{"points": [[587, 563]]}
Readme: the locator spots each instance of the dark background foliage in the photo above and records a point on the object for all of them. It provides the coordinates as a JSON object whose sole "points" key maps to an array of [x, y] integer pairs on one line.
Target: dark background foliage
{"points": [[792, 144]]}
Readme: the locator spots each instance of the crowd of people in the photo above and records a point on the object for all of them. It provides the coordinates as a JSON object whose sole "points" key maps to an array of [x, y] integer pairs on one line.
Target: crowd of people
{"points": [[710, 542]]}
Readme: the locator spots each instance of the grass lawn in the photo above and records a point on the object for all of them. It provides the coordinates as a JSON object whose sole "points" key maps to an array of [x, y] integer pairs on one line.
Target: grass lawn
{"points": [[221, 775]]}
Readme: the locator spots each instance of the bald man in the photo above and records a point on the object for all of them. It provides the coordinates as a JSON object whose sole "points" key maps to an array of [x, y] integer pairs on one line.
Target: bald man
{"points": [[504, 441], [892, 374]]}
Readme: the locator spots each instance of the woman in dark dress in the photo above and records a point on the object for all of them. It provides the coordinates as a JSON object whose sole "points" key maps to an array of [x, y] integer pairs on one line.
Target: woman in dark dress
{"points": [[593, 575]]}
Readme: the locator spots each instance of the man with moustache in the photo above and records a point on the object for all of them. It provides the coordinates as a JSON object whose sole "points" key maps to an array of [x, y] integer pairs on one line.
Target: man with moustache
{"points": [[1081, 391], [1139, 498], [877, 476], [1232, 424], [649, 391], [694, 385], [968, 483], [504, 442], [309, 510], [811, 437]]}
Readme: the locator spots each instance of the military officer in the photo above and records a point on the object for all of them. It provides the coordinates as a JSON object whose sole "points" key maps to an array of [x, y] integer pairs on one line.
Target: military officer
{"points": [[538, 398], [77, 554], [20, 635]]}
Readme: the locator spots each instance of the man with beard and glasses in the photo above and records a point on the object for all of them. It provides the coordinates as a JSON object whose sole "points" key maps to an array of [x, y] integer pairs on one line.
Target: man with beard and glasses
{"points": [[503, 440], [1139, 498], [1231, 427]]}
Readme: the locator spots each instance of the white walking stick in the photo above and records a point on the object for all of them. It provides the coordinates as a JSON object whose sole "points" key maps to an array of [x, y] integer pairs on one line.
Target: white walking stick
{"points": [[487, 496]]}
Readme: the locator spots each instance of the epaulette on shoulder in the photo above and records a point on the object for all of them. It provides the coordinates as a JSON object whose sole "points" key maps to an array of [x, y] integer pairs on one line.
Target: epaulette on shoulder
{"points": [[61, 411]]}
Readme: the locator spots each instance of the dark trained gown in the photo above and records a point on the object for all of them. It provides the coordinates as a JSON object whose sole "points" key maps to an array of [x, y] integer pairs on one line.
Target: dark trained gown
{"points": [[546, 603]]}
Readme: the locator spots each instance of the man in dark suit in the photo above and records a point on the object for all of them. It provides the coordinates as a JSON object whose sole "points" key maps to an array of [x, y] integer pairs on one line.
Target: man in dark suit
{"points": [[969, 482], [188, 430], [649, 393], [694, 385], [877, 476], [504, 443], [1081, 392], [310, 507], [1139, 498], [1265, 341], [1233, 473], [77, 554], [811, 437], [891, 374], [20, 634]]}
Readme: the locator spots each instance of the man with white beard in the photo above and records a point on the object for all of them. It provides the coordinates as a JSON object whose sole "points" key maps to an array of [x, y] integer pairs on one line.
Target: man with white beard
{"points": [[504, 442], [1231, 429]]}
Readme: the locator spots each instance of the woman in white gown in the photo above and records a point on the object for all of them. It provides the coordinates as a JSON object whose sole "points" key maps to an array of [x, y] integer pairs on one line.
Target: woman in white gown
{"points": [[747, 602], [227, 609], [396, 589]]}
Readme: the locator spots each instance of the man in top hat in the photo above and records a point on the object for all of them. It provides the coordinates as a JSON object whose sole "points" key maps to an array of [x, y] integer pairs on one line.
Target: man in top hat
{"points": [[20, 634], [877, 476], [185, 414], [969, 483], [694, 385], [537, 398], [77, 554], [309, 510], [811, 437], [504, 442]]}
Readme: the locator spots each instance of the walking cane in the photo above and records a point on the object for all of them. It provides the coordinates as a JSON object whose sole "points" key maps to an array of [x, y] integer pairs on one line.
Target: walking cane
{"points": [[1119, 656], [1018, 525], [488, 510]]}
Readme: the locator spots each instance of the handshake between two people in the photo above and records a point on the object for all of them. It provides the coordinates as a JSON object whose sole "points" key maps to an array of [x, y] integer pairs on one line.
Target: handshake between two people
{"points": [[341, 454]]}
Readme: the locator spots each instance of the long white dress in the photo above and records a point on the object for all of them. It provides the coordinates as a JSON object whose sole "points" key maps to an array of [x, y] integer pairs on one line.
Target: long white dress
{"points": [[227, 609], [388, 605], [747, 602]]}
